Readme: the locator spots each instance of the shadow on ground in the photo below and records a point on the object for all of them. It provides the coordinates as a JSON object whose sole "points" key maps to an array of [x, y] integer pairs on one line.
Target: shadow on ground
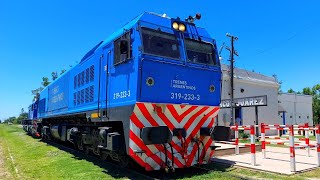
{"points": [[109, 169], [117, 172], [191, 172]]}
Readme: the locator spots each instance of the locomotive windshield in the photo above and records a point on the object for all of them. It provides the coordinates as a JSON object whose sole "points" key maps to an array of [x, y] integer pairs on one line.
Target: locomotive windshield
{"points": [[200, 52], [160, 43]]}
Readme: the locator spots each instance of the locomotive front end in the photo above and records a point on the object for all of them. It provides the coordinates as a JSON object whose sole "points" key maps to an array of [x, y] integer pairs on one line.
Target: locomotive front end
{"points": [[180, 83]]}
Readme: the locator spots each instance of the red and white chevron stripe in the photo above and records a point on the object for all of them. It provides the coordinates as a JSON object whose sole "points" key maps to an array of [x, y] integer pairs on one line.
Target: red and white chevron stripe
{"points": [[185, 151]]}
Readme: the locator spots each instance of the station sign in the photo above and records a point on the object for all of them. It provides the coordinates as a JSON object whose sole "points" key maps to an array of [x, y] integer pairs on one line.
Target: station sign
{"points": [[245, 102]]}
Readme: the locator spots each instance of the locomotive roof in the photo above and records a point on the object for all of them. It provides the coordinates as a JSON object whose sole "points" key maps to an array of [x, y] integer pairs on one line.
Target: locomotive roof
{"points": [[249, 75], [148, 17]]}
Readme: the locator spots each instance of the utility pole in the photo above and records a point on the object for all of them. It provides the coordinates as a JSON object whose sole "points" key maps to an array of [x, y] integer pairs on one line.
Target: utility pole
{"points": [[232, 53]]}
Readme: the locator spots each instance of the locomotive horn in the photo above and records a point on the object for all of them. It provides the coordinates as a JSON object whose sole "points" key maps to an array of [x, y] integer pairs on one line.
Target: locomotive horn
{"points": [[198, 16], [192, 19]]}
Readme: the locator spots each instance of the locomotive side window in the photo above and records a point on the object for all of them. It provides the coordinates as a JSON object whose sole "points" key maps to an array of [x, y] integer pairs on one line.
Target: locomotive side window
{"points": [[122, 49], [200, 52], [160, 43]]}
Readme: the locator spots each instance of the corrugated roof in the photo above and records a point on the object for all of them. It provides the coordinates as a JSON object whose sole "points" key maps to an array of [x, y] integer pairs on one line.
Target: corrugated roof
{"points": [[248, 75]]}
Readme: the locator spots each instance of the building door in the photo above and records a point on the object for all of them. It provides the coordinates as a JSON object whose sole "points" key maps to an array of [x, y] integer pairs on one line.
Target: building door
{"points": [[238, 115]]}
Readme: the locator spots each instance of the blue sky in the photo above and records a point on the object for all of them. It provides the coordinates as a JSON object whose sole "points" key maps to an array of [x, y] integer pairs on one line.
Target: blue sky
{"points": [[38, 37]]}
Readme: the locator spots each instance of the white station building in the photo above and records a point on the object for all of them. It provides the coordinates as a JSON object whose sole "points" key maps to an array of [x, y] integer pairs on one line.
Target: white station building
{"points": [[297, 109]]}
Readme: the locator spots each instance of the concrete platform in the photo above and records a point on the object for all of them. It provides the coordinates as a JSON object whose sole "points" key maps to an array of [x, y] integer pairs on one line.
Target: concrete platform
{"points": [[227, 149], [277, 161]]}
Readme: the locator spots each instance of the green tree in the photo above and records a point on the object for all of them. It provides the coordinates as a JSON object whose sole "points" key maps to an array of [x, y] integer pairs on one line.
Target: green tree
{"points": [[62, 71], [54, 75], [307, 91], [316, 89], [316, 103], [279, 82], [291, 90], [45, 81], [316, 109], [10, 119], [23, 115], [315, 93], [36, 93]]}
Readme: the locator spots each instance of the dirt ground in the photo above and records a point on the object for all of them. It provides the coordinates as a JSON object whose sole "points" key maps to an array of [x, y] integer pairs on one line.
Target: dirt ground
{"points": [[4, 174]]}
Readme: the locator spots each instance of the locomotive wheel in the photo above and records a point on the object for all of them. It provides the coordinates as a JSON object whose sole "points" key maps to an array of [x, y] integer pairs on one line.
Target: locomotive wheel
{"points": [[79, 143], [44, 137], [123, 161], [166, 169], [95, 138], [173, 170], [96, 151], [75, 145], [87, 150], [103, 156]]}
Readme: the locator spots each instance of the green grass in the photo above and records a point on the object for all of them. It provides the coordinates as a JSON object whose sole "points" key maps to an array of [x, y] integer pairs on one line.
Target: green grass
{"points": [[37, 160], [312, 138]]}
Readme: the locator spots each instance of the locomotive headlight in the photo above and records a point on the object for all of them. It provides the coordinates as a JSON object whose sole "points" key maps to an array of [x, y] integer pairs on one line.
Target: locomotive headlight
{"points": [[182, 27], [175, 25], [178, 26]]}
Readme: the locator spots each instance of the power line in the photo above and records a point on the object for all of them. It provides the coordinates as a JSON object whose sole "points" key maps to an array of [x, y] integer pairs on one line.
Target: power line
{"points": [[283, 41]]}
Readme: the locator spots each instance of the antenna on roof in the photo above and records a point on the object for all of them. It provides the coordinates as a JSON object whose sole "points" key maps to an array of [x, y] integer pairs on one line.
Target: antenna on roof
{"points": [[191, 19]]}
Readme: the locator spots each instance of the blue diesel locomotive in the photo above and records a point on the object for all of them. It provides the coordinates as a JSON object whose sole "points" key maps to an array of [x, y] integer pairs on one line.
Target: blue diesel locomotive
{"points": [[149, 94]]}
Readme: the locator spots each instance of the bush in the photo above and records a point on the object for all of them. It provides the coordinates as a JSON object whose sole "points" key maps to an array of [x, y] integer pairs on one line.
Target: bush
{"points": [[243, 135]]}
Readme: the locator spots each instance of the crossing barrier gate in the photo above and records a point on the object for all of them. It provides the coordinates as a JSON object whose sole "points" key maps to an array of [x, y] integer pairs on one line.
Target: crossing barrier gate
{"points": [[292, 145]]}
